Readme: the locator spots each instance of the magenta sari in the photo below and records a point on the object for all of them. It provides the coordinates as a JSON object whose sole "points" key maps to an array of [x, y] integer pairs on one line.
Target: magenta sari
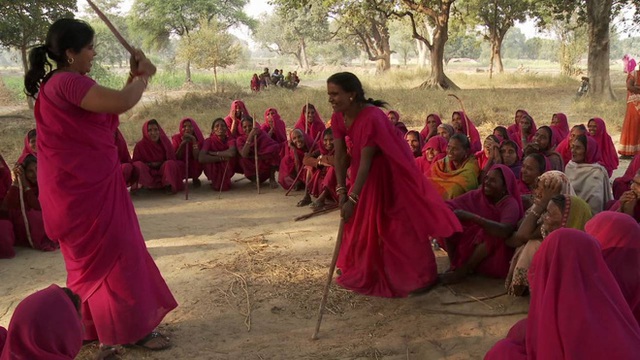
{"points": [[314, 129], [129, 172], [426, 132], [514, 128], [398, 124], [195, 168], [7, 237], [621, 184], [471, 132], [280, 132], [607, 148], [86, 207], [26, 150], [436, 142], [385, 246], [562, 127], [322, 177], [232, 112], [268, 156], [291, 163], [219, 173]]}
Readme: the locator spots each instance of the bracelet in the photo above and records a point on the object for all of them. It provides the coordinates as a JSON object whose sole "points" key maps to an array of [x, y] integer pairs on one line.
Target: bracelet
{"points": [[341, 189], [353, 197], [195, 147], [144, 80], [536, 214], [354, 201]]}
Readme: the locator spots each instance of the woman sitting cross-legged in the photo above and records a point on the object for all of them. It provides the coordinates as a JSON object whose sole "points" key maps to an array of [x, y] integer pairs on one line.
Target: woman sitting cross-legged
{"points": [[187, 144], [434, 150], [489, 216], [268, 153], [458, 172], [321, 182], [219, 156], [292, 171], [628, 202]]}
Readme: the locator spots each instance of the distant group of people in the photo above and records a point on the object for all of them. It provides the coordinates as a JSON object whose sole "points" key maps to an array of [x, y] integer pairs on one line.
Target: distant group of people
{"points": [[278, 78]]}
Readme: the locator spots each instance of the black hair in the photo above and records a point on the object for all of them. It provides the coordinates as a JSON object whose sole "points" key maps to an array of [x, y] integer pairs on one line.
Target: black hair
{"points": [[63, 35], [581, 127], [153, 122], [550, 133], [413, 132], [246, 118], [75, 299], [31, 134], [540, 160], [28, 160], [216, 120], [350, 83], [494, 138], [327, 131], [503, 132], [560, 201], [466, 144], [583, 140]]}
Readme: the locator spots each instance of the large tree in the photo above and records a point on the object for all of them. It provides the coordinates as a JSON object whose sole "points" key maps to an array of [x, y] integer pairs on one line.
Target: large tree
{"points": [[159, 20]]}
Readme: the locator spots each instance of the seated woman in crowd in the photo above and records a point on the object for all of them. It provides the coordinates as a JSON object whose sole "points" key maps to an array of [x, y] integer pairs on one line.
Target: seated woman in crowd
{"points": [[321, 182], [543, 143], [434, 150], [458, 172], [463, 125], [577, 310], [533, 166], [219, 156], [415, 142], [569, 211], [515, 127], [446, 131], [274, 126], [187, 144], [511, 156], [155, 160], [622, 184], [564, 148], [489, 155], [310, 122], [394, 117], [268, 153], [430, 127], [236, 113], [129, 172], [30, 148], [628, 202], [560, 125], [35, 236], [618, 238], [501, 133], [489, 216], [587, 175], [292, 171], [255, 83], [7, 237], [525, 131], [598, 130]]}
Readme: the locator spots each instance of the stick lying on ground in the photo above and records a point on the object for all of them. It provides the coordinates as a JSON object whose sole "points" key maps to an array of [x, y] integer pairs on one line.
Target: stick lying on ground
{"points": [[323, 211]]}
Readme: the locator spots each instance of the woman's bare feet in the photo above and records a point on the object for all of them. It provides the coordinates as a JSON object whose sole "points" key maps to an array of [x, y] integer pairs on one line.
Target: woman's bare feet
{"points": [[155, 341]]}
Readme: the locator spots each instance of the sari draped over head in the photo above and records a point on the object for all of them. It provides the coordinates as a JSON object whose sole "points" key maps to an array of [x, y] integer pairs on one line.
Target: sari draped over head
{"points": [[590, 179], [5, 178], [171, 172], [449, 128], [280, 131], [576, 310], [517, 135], [291, 163], [517, 166], [554, 159], [385, 249], [420, 140], [562, 126], [605, 144], [426, 132], [26, 150], [469, 129], [514, 128], [232, 113], [45, 325], [398, 124], [219, 173], [322, 174], [195, 168], [481, 155], [506, 211], [621, 184], [268, 155], [313, 129], [437, 142], [147, 150], [451, 182], [618, 237]]}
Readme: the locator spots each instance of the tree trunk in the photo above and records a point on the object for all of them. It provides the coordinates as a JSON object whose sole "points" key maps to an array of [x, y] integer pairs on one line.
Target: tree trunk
{"points": [[25, 68], [215, 79], [188, 74], [423, 52], [384, 63], [598, 20], [303, 55], [437, 78], [493, 54], [497, 55]]}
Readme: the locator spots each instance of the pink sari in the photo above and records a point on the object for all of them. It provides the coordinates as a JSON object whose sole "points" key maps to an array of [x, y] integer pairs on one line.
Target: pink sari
{"points": [[280, 132], [436, 142], [291, 162], [268, 156], [562, 127], [425, 133], [171, 172], [605, 144], [316, 127], [45, 325], [322, 177], [7, 237], [517, 135], [26, 150], [618, 237], [385, 246], [86, 207], [219, 173], [621, 184], [232, 112], [471, 132], [398, 124], [577, 310], [129, 172], [507, 211], [514, 128], [195, 168]]}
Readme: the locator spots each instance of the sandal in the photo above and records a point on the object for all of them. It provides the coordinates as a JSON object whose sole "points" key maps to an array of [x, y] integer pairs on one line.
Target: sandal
{"points": [[144, 342], [315, 205], [304, 202]]}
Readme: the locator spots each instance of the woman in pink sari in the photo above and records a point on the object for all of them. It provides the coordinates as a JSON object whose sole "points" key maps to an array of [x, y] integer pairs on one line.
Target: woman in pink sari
{"points": [[525, 131], [511, 156], [321, 179], [598, 131], [533, 166], [489, 155], [274, 126], [564, 148], [434, 150], [85, 203], [268, 154], [129, 172], [577, 310], [415, 142], [219, 156], [430, 128], [155, 160], [7, 237], [618, 237], [622, 184], [560, 125], [394, 117], [543, 144], [30, 146], [629, 202], [292, 171], [463, 125], [236, 113], [187, 144], [310, 122], [385, 245], [489, 215], [515, 127], [502, 133]]}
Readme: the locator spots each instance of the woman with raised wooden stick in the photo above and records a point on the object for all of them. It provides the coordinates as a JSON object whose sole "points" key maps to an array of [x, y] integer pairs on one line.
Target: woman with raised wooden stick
{"points": [[385, 247]]}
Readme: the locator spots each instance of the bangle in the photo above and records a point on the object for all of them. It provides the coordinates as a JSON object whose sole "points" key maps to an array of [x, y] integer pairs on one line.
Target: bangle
{"points": [[535, 213], [195, 147], [144, 80], [341, 189], [353, 197]]}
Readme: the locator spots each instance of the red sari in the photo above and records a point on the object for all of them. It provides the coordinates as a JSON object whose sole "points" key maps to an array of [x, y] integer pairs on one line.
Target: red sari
{"points": [[26, 150], [232, 113], [471, 132], [507, 211], [147, 151], [425, 133], [630, 135], [87, 208], [514, 128], [268, 156], [195, 168], [280, 132], [621, 184], [385, 246], [129, 172], [517, 134], [7, 237], [562, 126], [313, 129], [605, 144], [398, 124], [219, 173], [45, 325], [322, 176], [436, 142], [618, 237], [291, 162], [577, 310]]}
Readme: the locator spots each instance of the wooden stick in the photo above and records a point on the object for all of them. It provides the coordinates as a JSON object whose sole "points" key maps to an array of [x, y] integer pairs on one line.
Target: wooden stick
{"points": [[113, 29], [317, 213], [255, 149], [24, 211], [462, 313], [466, 118], [302, 167], [224, 174], [473, 299], [332, 267], [306, 117], [186, 175]]}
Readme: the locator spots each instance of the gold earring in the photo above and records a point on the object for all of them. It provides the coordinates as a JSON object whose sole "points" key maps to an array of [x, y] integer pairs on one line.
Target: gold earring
{"points": [[71, 60], [350, 99]]}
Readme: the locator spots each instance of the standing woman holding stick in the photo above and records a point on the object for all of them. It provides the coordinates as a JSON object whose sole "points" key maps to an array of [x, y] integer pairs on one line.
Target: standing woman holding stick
{"points": [[385, 247], [85, 203]]}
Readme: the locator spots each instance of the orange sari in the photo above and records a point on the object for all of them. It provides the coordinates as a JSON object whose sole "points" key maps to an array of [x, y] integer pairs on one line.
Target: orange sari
{"points": [[630, 137]]}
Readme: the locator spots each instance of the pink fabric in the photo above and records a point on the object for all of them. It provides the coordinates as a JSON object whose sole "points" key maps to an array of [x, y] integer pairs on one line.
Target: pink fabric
{"points": [[195, 168], [618, 237], [420, 140], [280, 132], [7, 240], [621, 184], [517, 166], [517, 134], [45, 325], [129, 172], [472, 133], [426, 132], [606, 146], [219, 173], [26, 150], [562, 126], [593, 155], [398, 125], [385, 247], [507, 211], [564, 149], [318, 181], [514, 128], [268, 156], [5, 178], [86, 207], [170, 173], [291, 162], [313, 129], [229, 118], [436, 142]]}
